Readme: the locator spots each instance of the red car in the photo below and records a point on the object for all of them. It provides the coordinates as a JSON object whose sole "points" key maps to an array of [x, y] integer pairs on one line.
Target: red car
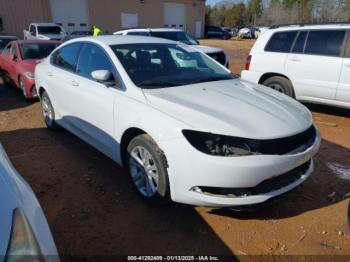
{"points": [[18, 61]]}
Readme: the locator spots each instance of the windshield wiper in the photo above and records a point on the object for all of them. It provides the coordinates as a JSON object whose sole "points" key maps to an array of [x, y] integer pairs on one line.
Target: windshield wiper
{"points": [[160, 84], [214, 78]]}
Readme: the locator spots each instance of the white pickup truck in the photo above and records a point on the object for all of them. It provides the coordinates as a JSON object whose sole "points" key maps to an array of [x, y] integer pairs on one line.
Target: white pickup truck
{"points": [[44, 31]]}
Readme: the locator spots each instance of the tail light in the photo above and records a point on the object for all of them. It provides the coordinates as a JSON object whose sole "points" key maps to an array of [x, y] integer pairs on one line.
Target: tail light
{"points": [[247, 63]]}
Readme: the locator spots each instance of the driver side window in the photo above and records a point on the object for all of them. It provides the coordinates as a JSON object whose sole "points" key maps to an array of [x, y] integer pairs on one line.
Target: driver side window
{"points": [[93, 58]]}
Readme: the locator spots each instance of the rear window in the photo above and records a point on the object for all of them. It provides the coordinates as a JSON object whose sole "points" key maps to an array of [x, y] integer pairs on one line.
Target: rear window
{"points": [[36, 51], [54, 30], [281, 42], [325, 42], [300, 43]]}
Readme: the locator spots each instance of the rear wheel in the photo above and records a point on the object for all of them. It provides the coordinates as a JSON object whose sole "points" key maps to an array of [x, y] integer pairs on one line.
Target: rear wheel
{"points": [[148, 170], [48, 112], [280, 84]]}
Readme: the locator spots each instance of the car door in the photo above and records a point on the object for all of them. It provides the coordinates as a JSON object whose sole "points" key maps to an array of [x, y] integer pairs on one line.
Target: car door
{"points": [[13, 63], [315, 63], [60, 75], [94, 101], [343, 91]]}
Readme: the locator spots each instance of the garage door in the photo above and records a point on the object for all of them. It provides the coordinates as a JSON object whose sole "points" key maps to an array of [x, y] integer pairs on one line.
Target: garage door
{"points": [[71, 14], [129, 20], [175, 15]]}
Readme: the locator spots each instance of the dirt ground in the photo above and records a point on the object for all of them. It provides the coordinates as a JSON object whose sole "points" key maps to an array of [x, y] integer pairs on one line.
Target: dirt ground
{"points": [[92, 208]]}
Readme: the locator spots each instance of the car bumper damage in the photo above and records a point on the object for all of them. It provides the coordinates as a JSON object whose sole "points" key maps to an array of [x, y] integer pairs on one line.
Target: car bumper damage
{"points": [[216, 181]]}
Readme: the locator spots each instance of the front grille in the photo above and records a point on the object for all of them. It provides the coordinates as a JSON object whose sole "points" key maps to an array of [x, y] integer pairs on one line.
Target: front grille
{"points": [[285, 145], [264, 187], [218, 56]]}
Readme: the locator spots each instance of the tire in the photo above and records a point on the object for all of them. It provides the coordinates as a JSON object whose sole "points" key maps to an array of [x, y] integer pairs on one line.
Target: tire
{"points": [[6, 79], [142, 151], [22, 86], [280, 84], [48, 112]]}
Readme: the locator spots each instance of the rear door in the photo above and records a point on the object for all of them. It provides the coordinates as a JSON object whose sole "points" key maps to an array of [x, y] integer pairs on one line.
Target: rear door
{"points": [[343, 92], [315, 62]]}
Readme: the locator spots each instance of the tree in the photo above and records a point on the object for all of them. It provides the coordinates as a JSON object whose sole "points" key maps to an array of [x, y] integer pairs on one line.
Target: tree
{"points": [[236, 15], [254, 10]]}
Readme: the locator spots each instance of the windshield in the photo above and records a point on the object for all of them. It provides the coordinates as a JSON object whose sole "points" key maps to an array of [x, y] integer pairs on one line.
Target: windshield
{"points": [[176, 36], [36, 51], [165, 65], [49, 30]]}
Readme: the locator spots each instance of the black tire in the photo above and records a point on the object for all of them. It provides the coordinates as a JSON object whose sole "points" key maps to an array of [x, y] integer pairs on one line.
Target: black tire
{"points": [[161, 194], [48, 112], [6, 79], [280, 84]]}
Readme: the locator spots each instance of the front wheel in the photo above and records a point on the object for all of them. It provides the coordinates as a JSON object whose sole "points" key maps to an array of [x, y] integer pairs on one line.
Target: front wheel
{"points": [[22, 86], [148, 170], [48, 112], [280, 84]]}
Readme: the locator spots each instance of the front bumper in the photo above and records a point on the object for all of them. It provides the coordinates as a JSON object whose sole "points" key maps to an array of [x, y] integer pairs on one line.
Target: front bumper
{"points": [[30, 88], [191, 168]]}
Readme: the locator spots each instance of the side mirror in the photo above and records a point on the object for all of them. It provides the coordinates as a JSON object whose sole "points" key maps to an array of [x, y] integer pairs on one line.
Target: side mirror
{"points": [[103, 76], [13, 57]]}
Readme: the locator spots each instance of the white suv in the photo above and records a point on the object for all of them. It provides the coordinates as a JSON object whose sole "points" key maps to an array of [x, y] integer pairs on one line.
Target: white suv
{"points": [[178, 35], [310, 63]]}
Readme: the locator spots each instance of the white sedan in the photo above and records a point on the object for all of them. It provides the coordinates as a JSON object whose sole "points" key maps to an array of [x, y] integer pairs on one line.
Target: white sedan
{"points": [[187, 129], [24, 232]]}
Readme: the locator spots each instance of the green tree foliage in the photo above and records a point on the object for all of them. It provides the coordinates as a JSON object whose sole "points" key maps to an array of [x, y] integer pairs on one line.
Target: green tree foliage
{"points": [[268, 12]]}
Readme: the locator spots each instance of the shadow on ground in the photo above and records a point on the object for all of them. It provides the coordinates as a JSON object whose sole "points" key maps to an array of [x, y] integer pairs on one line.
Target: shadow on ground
{"points": [[92, 207], [330, 110], [14, 98]]}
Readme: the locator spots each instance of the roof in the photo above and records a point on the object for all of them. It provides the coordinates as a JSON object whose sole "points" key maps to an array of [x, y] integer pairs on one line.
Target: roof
{"points": [[308, 27], [123, 39], [44, 24], [36, 42], [164, 29]]}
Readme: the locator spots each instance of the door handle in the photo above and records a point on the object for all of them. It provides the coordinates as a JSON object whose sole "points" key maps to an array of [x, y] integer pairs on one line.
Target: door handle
{"points": [[347, 64], [73, 83], [49, 74], [295, 59]]}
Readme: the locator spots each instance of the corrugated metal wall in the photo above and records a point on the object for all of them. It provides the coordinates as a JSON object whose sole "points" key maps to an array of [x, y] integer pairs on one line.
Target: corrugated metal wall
{"points": [[18, 14]]}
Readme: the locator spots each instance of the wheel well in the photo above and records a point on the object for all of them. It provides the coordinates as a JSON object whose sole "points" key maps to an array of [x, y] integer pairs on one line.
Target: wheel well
{"points": [[128, 135], [41, 91], [266, 76]]}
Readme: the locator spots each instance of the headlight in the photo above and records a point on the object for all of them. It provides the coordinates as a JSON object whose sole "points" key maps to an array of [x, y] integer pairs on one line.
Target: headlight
{"points": [[219, 145], [29, 75], [23, 242]]}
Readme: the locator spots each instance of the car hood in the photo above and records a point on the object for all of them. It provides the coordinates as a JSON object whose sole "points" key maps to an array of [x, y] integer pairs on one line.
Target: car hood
{"points": [[30, 64], [207, 49], [232, 107]]}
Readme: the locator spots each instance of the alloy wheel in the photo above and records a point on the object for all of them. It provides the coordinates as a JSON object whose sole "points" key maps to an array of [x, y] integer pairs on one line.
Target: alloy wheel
{"points": [[144, 171]]}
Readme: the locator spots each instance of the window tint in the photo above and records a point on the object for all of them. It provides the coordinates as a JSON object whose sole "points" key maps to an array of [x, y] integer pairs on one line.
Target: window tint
{"points": [[327, 42], [281, 42], [14, 50], [93, 58], [66, 57], [7, 50], [139, 33], [32, 30], [300, 42], [36, 51]]}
